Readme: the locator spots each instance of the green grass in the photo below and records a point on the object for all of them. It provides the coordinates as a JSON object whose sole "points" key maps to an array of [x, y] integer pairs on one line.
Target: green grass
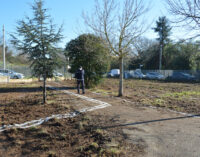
{"points": [[42, 132], [51, 101], [183, 94], [114, 151], [99, 131], [103, 91], [33, 128], [159, 102], [19, 85]]}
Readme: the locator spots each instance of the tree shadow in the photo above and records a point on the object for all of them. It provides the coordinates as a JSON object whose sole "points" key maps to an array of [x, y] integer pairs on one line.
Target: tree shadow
{"points": [[61, 88], [20, 89], [150, 121], [31, 89]]}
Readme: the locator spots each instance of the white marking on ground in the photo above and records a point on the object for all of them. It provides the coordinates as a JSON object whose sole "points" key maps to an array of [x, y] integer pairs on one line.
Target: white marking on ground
{"points": [[34, 123]]}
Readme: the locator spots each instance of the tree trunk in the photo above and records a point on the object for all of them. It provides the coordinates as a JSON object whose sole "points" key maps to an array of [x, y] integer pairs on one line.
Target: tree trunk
{"points": [[160, 56], [44, 89], [121, 77]]}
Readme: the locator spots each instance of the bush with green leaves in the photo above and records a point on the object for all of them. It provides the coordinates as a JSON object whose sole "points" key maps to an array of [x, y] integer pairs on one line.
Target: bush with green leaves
{"points": [[88, 51]]}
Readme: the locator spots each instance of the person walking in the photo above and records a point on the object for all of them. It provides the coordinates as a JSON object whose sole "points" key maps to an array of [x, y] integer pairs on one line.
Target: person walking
{"points": [[79, 75]]}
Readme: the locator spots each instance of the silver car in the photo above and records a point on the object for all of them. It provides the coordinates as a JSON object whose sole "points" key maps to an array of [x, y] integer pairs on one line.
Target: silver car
{"points": [[11, 74], [154, 75], [138, 74], [57, 74]]}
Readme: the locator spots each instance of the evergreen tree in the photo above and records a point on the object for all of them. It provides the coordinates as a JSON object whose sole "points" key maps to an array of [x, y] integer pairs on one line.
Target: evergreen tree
{"points": [[38, 38], [88, 51], [163, 29]]}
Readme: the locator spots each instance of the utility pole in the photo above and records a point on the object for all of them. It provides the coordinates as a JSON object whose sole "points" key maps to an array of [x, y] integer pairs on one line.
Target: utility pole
{"points": [[4, 53]]}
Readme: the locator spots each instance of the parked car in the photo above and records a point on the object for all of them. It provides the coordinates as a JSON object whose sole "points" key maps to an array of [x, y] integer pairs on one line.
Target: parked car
{"points": [[126, 75], [154, 75], [114, 73], [138, 74], [57, 74], [181, 76], [11, 74]]}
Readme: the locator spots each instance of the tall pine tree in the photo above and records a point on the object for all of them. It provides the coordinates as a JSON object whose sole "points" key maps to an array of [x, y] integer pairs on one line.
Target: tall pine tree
{"points": [[38, 38], [163, 29]]}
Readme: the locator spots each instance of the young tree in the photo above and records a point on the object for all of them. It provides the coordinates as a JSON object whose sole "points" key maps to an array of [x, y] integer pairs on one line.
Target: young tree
{"points": [[38, 38], [120, 27], [163, 29], [88, 51]]}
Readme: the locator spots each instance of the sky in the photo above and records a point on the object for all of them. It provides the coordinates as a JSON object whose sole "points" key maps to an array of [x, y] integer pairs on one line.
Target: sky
{"points": [[69, 13]]}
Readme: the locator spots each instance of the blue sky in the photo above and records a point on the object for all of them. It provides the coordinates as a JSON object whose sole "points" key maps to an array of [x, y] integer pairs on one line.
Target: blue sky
{"points": [[67, 12]]}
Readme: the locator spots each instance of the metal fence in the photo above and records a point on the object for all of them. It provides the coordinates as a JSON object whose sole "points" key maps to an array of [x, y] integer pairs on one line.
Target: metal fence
{"points": [[165, 73], [26, 70]]}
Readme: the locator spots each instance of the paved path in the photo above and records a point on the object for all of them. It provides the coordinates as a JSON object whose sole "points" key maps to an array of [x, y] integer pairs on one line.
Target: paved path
{"points": [[163, 133]]}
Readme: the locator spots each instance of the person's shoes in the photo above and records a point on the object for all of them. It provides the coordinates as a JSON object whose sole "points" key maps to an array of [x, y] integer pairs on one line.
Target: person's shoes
{"points": [[83, 93]]}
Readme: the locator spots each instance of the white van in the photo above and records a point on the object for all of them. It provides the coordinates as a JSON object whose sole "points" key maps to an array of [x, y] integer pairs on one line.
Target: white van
{"points": [[114, 73]]}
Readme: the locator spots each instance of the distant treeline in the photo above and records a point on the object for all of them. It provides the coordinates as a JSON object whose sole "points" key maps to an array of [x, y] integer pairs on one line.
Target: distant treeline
{"points": [[177, 56], [11, 58]]}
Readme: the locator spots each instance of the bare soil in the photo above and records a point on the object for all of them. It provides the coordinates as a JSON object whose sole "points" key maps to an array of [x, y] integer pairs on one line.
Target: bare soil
{"points": [[181, 97], [69, 137], [21, 102], [130, 127], [154, 114], [80, 136]]}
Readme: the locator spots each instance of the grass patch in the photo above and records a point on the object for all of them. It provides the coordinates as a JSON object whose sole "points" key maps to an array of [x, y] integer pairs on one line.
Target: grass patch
{"points": [[146, 101], [113, 152], [51, 101], [42, 133], [33, 129], [99, 131], [19, 85], [103, 91], [84, 122], [159, 102], [183, 94]]}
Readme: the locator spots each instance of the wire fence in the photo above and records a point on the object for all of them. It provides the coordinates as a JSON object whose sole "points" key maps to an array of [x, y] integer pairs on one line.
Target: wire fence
{"points": [[166, 74], [27, 72]]}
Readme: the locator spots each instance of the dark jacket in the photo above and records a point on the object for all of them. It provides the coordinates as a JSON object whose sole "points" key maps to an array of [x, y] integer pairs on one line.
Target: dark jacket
{"points": [[79, 75]]}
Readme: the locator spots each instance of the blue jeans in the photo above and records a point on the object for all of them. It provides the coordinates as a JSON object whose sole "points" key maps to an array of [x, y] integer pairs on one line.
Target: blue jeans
{"points": [[82, 85]]}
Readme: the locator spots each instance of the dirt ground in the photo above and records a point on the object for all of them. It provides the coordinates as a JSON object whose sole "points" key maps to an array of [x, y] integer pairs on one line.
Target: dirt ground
{"points": [[80, 136], [130, 127], [181, 97]]}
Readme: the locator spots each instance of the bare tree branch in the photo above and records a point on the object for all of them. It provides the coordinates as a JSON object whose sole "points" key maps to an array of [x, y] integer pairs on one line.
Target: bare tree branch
{"points": [[187, 13], [118, 26]]}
